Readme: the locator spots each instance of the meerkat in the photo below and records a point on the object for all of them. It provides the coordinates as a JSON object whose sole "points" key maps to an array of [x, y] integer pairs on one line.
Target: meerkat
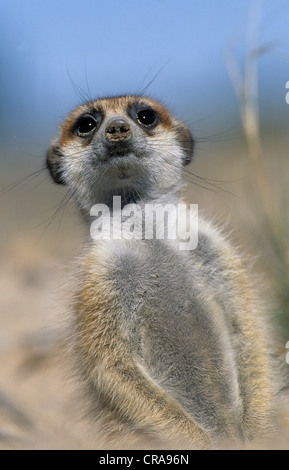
{"points": [[171, 344]]}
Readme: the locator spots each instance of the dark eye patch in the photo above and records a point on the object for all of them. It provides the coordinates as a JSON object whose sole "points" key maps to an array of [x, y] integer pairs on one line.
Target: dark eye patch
{"points": [[85, 125], [144, 115], [147, 117]]}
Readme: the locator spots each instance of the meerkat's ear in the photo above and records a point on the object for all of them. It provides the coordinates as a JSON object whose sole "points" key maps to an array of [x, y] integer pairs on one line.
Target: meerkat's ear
{"points": [[186, 142], [53, 162]]}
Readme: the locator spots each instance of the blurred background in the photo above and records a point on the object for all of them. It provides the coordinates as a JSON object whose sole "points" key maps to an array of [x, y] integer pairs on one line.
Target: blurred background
{"points": [[222, 67]]}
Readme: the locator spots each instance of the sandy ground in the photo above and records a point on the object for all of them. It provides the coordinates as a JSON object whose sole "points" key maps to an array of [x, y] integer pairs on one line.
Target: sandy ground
{"points": [[37, 405]]}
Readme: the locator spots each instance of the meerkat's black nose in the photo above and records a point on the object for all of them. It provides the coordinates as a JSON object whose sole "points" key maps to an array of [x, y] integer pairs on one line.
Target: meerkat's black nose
{"points": [[117, 130]]}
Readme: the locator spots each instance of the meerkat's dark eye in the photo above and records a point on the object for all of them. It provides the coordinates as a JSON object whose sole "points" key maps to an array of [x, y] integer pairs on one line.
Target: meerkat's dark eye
{"points": [[147, 117], [85, 125]]}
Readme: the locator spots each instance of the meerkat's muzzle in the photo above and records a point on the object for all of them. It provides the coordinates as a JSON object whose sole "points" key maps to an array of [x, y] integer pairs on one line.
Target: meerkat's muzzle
{"points": [[117, 130]]}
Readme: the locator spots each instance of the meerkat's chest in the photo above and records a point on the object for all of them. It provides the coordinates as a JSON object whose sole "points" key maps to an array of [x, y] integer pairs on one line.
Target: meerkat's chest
{"points": [[174, 330]]}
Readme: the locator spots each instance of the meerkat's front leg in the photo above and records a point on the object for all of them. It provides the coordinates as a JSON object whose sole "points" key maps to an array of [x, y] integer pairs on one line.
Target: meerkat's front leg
{"points": [[254, 366], [108, 364]]}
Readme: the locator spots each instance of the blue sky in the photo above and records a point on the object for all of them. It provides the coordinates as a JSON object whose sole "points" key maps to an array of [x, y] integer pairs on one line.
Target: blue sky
{"points": [[114, 47]]}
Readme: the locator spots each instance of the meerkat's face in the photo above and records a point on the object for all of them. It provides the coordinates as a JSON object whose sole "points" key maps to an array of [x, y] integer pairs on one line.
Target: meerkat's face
{"points": [[129, 146]]}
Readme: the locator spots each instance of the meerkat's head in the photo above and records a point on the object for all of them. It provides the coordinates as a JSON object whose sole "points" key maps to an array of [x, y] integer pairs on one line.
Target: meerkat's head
{"points": [[127, 146]]}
